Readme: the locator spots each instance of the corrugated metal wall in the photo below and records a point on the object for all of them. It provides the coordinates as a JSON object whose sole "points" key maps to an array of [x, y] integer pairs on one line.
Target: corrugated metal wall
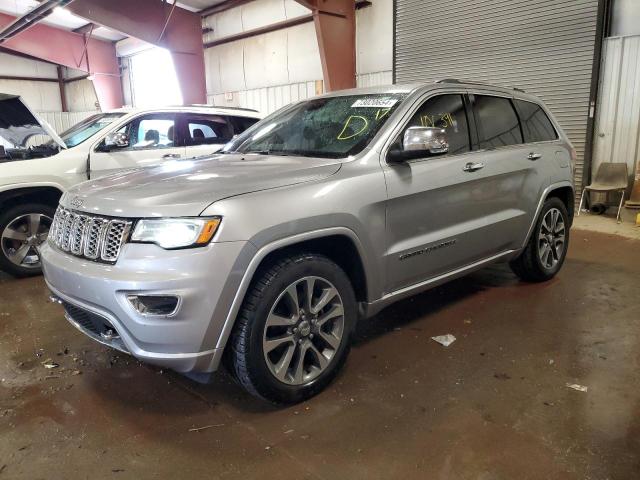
{"points": [[267, 99], [618, 119], [544, 46], [61, 121]]}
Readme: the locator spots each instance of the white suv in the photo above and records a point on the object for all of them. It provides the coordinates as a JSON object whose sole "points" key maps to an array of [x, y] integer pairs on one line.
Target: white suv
{"points": [[33, 177]]}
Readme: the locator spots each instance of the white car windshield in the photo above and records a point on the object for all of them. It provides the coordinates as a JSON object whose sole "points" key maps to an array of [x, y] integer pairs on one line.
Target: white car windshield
{"points": [[87, 128]]}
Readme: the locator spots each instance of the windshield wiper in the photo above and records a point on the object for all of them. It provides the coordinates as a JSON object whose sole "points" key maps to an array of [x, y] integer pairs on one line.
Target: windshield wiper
{"points": [[270, 152]]}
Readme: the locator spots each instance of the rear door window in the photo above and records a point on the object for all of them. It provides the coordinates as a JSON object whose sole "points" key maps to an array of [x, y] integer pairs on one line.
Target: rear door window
{"points": [[536, 125], [240, 124], [497, 122], [207, 130]]}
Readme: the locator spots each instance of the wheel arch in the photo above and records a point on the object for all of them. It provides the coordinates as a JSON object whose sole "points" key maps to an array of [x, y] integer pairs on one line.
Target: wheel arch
{"points": [[351, 259], [564, 191], [567, 195], [48, 195]]}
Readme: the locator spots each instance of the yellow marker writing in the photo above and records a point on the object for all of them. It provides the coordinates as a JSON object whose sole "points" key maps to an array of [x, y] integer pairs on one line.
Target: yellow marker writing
{"points": [[381, 113], [343, 136]]}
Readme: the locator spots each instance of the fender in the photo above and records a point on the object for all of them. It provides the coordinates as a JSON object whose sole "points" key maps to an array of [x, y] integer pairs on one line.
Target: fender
{"points": [[543, 197], [259, 256], [16, 186]]}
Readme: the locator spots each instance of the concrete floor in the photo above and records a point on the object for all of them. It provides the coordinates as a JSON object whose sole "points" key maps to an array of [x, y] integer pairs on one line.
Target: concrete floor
{"points": [[494, 405]]}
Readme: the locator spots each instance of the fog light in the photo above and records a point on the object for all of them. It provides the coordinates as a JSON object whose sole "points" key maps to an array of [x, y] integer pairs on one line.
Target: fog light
{"points": [[161, 305]]}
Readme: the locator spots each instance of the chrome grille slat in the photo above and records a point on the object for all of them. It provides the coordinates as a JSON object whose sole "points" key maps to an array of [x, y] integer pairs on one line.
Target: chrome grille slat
{"points": [[89, 236]]}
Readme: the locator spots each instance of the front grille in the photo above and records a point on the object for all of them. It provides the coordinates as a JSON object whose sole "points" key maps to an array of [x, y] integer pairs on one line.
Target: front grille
{"points": [[89, 236]]}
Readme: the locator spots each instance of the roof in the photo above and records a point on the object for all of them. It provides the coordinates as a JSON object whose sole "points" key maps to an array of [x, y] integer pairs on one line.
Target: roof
{"points": [[440, 84], [208, 109]]}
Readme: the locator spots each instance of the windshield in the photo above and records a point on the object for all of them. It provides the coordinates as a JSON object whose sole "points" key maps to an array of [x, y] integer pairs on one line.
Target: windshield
{"points": [[331, 127], [87, 128]]}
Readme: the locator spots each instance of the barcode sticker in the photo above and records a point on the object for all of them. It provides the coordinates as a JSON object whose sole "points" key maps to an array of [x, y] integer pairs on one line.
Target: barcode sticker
{"points": [[375, 102]]}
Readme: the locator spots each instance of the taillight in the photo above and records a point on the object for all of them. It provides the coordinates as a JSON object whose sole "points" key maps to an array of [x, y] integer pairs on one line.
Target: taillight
{"points": [[574, 158]]}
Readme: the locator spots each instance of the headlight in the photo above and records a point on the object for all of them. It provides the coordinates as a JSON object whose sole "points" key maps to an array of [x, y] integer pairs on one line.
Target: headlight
{"points": [[176, 232]]}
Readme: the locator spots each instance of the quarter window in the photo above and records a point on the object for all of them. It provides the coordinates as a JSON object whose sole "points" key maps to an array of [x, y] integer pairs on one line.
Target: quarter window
{"points": [[497, 122], [448, 112], [535, 124]]}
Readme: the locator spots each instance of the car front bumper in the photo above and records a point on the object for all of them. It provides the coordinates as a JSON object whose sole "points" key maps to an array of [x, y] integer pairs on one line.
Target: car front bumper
{"points": [[95, 299]]}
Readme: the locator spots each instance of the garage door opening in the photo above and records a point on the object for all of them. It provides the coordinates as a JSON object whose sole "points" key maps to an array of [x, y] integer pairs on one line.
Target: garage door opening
{"points": [[154, 79]]}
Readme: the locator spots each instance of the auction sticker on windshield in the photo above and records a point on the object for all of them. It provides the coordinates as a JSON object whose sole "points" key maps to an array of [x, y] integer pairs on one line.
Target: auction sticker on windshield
{"points": [[375, 102]]}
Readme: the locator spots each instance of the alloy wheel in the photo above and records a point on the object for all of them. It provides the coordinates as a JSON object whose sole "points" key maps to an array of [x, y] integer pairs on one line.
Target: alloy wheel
{"points": [[303, 331], [551, 238], [21, 238]]}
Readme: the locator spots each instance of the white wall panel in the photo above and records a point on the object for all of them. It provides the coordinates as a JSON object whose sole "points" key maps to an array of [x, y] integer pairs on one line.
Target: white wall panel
{"points": [[38, 95], [81, 96], [261, 13], [250, 16], [303, 55], [282, 57], [374, 79], [24, 67], [374, 37], [231, 58], [61, 121], [266, 99], [618, 120], [265, 60]]}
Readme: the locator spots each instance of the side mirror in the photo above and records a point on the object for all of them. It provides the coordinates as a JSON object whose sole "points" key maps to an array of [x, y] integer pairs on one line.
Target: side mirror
{"points": [[420, 142], [116, 140]]}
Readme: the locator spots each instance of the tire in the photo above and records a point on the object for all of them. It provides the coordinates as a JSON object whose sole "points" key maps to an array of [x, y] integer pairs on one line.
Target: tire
{"points": [[538, 263], [16, 237], [269, 315]]}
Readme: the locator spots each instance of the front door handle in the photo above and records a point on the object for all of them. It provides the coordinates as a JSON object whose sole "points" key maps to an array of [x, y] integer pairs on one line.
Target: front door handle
{"points": [[472, 167], [534, 156], [171, 155]]}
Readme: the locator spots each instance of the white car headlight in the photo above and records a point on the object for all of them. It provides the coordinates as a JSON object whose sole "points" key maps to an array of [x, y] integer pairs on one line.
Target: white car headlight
{"points": [[176, 232]]}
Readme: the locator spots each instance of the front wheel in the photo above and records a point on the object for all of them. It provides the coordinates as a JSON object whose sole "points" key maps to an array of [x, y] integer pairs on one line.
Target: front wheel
{"points": [[547, 248], [23, 229], [293, 333]]}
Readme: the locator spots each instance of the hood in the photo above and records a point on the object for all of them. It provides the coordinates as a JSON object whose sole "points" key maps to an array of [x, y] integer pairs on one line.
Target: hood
{"points": [[187, 187], [18, 122]]}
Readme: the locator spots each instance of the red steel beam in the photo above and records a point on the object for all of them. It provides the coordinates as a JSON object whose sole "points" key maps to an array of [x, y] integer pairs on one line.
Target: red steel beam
{"points": [[158, 23], [66, 48], [335, 23], [261, 30]]}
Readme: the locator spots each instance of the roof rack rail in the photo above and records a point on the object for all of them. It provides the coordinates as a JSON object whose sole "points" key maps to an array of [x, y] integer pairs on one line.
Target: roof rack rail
{"points": [[471, 82], [223, 107]]}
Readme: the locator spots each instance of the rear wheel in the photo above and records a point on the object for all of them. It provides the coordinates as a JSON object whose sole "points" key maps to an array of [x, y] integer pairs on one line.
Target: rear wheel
{"points": [[293, 334], [23, 228], [544, 255]]}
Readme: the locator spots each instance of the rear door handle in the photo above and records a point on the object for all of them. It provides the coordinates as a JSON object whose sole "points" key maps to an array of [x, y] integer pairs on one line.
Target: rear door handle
{"points": [[472, 167], [171, 155], [534, 156]]}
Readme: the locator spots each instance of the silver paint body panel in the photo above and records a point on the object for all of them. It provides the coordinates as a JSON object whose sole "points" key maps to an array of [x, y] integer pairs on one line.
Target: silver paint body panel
{"points": [[460, 221]]}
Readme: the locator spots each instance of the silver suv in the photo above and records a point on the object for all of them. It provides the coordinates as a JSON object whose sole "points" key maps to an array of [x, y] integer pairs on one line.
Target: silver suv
{"points": [[264, 256]]}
